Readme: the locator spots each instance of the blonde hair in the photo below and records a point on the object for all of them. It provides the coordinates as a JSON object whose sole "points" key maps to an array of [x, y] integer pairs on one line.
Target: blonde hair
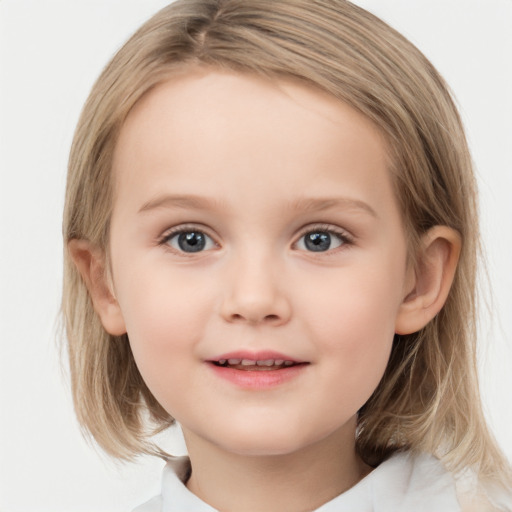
{"points": [[428, 399]]}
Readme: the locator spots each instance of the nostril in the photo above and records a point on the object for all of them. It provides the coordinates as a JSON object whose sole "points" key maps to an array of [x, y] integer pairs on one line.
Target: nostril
{"points": [[236, 317]]}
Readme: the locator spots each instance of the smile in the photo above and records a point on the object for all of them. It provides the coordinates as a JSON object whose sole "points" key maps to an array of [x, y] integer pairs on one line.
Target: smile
{"points": [[254, 365], [262, 370]]}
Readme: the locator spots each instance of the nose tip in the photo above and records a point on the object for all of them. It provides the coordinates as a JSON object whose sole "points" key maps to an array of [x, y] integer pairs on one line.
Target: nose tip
{"points": [[254, 299]]}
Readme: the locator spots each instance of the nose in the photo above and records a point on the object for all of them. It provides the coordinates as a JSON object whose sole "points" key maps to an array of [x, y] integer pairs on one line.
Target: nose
{"points": [[254, 294]]}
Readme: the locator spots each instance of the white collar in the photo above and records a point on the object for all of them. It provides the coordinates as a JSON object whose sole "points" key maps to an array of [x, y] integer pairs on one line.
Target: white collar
{"points": [[403, 483]]}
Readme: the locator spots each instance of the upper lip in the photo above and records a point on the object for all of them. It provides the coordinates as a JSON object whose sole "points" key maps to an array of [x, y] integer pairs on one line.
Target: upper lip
{"points": [[262, 355]]}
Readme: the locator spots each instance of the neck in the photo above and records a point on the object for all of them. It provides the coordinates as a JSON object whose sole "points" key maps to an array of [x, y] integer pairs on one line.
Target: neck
{"points": [[299, 481]]}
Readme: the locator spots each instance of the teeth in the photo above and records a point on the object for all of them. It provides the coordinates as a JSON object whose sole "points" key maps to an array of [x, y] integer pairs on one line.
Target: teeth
{"points": [[252, 362], [267, 362]]}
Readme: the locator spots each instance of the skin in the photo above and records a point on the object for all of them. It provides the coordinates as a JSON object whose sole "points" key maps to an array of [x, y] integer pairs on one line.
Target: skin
{"points": [[255, 165]]}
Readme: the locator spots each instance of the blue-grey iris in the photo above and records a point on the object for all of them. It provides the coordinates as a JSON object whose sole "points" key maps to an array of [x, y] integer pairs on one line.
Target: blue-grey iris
{"points": [[192, 241], [317, 241]]}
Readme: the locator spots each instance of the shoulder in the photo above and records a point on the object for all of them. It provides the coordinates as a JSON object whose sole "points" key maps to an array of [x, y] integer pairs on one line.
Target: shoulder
{"points": [[414, 481], [152, 505], [474, 496], [404, 482], [427, 479]]}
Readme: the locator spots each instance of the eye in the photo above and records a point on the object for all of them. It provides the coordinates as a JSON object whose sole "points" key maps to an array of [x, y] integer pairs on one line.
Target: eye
{"points": [[189, 241], [320, 240]]}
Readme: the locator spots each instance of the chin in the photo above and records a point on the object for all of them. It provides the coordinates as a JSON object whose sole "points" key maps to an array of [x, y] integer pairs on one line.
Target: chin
{"points": [[262, 449], [264, 442]]}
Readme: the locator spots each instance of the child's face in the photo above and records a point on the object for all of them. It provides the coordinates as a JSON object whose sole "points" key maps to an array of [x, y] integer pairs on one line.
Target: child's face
{"points": [[256, 220]]}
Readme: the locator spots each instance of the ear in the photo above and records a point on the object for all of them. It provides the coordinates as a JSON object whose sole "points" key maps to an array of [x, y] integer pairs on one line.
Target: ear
{"points": [[431, 279], [90, 262]]}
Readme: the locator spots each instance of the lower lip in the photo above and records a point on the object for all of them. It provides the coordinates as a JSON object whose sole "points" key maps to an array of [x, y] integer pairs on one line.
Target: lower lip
{"points": [[258, 379]]}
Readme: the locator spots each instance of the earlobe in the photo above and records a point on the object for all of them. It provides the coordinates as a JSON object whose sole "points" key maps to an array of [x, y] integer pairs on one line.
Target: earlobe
{"points": [[90, 262], [433, 276]]}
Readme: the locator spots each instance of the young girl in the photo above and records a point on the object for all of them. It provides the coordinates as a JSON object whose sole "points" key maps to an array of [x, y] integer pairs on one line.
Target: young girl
{"points": [[271, 239]]}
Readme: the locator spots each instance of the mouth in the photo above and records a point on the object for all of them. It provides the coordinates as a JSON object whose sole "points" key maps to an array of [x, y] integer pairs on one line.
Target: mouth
{"points": [[261, 370], [256, 365]]}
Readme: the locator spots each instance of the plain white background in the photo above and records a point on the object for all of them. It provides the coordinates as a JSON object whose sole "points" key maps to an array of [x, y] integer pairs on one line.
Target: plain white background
{"points": [[51, 51]]}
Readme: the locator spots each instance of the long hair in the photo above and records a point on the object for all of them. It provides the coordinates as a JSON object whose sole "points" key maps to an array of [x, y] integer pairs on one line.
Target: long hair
{"points": [[428, 399]]}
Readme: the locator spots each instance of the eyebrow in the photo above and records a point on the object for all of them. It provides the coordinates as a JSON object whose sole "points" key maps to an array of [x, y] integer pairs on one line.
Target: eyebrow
{"points": [[179, 201], [320, 204], [305, 204]]}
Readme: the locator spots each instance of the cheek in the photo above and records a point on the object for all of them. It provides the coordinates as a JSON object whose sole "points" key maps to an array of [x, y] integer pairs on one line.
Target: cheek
{"points": [[358, 342], [355, 304], [353, 320], [165, 318]]}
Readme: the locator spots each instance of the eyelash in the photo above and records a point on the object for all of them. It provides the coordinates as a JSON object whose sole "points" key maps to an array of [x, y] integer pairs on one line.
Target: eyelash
{"points": [[346, 239]]}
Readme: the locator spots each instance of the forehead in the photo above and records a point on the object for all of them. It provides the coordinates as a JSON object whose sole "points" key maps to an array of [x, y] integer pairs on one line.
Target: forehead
{"points": [[229, 130], [215, 97]]}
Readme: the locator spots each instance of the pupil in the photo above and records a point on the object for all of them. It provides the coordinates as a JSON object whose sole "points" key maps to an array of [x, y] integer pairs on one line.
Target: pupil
{"points": [[319, 241], [191, 242]]}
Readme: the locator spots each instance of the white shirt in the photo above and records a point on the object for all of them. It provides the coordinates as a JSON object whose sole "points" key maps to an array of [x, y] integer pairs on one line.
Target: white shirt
{"points": [[403, 483]]}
